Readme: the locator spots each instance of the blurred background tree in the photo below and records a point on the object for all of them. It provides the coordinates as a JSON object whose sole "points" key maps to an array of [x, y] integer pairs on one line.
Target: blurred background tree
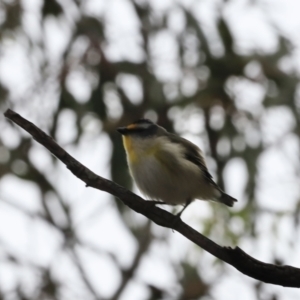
{"points": [[223, 74]]}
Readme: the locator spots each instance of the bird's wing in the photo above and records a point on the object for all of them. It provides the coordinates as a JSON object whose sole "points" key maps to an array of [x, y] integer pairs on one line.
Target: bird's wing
{"points": [[193, 154]]}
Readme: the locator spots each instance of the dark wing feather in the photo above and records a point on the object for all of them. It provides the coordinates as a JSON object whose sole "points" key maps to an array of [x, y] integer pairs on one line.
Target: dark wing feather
{"points": [[193, 154]]}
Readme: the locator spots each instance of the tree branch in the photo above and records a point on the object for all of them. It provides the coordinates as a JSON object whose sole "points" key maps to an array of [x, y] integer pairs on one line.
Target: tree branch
{"points": [[280, 275]]}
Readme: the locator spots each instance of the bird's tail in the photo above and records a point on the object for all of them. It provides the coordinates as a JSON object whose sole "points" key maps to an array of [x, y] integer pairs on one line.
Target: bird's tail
{"points": [[227, 200]]}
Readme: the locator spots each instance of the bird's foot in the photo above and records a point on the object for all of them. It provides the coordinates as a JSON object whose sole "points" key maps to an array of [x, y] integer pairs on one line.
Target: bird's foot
{"points": [[178, 215], [175, 221]]}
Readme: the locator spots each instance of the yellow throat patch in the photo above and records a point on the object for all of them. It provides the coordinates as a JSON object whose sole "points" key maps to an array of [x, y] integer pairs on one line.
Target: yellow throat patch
{"points": [[127, 142], [134, 154]]}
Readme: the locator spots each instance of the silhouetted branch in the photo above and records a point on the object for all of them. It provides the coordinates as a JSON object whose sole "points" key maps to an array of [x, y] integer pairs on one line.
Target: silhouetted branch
{"points": [[280, 275]]}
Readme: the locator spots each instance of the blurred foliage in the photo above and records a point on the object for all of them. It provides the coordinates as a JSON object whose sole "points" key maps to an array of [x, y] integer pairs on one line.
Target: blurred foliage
{"points": [[214, 73]]}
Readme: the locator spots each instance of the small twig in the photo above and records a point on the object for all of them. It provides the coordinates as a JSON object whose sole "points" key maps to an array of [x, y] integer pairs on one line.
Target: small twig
{"points": [[83, 274], [144, 242], [280, 275]]}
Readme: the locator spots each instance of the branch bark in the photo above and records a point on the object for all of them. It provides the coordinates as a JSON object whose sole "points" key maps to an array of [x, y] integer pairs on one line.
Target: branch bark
{"points": [[287, 276]]}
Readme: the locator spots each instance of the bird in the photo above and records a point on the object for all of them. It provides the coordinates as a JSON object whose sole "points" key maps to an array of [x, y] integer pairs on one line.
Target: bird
{"points": [[168, 168]]}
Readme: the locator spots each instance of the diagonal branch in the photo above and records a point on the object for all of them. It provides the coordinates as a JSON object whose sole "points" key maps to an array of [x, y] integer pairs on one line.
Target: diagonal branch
{"points": [[280, 275]]}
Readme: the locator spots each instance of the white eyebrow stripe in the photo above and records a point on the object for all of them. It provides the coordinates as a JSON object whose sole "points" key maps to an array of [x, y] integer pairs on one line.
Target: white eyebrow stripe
{"points": [[143, 125]]}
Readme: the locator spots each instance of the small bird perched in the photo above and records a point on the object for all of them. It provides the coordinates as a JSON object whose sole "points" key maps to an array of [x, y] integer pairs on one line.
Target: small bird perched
{"points": [[167, 167]]}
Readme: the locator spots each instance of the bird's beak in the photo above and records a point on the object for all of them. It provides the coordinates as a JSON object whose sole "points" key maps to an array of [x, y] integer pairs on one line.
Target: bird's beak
{"points": [[123, 130]]}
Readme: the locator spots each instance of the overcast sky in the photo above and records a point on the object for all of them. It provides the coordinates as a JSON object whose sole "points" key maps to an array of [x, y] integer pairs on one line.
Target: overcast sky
{"points": [[38, 243]]}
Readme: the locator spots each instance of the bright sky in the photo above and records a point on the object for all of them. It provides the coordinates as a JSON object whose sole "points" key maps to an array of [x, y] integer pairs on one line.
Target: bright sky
{"points": [[93, 212]]}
